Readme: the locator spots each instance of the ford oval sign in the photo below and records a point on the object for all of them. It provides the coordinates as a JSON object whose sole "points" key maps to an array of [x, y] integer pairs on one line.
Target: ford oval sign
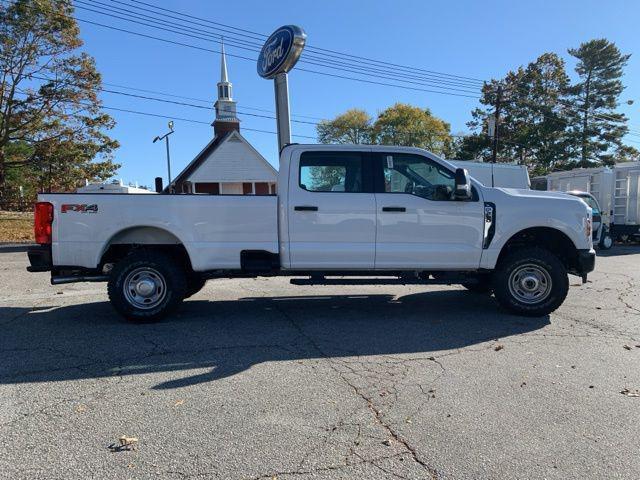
{"points": [[281, 51]]}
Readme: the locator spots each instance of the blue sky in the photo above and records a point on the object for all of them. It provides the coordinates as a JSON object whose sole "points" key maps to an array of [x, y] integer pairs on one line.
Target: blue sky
{"points": [[468, 38]]}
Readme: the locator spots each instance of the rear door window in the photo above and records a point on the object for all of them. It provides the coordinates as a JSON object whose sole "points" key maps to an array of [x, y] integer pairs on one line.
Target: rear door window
{"points": [[334, 172]]}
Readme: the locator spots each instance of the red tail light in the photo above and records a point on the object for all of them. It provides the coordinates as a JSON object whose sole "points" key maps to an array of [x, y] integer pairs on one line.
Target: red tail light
{"points": [[42, 221]]}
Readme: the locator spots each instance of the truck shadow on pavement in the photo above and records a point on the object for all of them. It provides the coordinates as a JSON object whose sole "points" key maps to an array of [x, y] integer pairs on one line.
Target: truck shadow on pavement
{"points": [[618, 250], [209, 340]]}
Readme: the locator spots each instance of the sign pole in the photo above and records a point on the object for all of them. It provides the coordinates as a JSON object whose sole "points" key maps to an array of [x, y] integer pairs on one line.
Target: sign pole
{"points": [[278, 56], [281, 86]]}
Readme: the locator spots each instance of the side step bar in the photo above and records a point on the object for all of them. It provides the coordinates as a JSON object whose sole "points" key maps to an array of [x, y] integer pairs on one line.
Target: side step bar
{"points": [[79, 278], [441, 280]]}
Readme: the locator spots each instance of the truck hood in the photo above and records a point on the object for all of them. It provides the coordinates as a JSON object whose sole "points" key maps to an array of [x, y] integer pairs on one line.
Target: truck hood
{"points": [[550, 202], [517, 192]]}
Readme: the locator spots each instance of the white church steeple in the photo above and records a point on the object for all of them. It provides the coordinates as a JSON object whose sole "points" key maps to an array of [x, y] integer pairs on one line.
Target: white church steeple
{"points": [[225, 106]]}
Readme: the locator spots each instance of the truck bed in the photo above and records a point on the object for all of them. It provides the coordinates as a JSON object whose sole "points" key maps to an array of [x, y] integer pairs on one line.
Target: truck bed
{"points": [[214, 229]]}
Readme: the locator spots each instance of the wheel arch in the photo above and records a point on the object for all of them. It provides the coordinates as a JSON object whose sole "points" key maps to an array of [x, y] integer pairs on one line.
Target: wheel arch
{"points": [[549, 238], [128, 239]]}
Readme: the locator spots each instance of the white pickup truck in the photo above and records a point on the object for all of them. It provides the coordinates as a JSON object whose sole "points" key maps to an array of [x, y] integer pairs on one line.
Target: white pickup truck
{"points": [[342, 215]]}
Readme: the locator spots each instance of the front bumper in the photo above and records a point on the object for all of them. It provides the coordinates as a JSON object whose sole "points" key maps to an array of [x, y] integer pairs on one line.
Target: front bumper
{"points": [[586, 263], [40, 258]]}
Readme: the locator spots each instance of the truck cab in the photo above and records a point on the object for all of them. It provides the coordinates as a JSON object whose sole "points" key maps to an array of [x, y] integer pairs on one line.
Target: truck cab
{"points": [[343, 213]]}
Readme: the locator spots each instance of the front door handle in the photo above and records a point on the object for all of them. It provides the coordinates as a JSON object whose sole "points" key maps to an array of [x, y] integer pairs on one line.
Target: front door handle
{"points": [[394, 209], [305, 208]]}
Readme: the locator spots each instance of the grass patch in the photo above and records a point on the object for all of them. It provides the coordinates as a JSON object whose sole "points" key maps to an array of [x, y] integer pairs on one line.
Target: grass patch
{"points": [[16, 226]]}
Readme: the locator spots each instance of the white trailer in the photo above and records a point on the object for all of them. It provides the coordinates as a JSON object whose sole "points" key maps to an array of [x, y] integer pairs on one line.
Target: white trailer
{"points": [[626, 199], [500, 175], [116, 187], [617, 190]]}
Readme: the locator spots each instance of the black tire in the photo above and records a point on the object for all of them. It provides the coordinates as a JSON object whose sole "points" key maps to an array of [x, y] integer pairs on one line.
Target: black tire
{"points": [[166, 276], [523, 269], [606, 242], [484, 285], [195, 283]]}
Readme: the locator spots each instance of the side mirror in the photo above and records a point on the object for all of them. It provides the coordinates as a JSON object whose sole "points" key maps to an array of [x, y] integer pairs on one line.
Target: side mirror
{"points": [[463, 185]]}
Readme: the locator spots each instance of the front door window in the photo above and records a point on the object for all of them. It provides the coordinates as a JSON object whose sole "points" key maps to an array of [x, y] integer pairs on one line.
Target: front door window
{"points": [[417, 175]]}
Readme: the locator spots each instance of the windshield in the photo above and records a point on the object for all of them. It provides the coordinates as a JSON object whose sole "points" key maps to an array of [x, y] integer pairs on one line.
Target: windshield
{"points": [[589, 200]]}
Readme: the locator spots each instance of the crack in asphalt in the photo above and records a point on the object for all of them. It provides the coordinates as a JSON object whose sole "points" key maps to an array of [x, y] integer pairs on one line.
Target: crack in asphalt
{"points": [[375, 411], [327, 468]]}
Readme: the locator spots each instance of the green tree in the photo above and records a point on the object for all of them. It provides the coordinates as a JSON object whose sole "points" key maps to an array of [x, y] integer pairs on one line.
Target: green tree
{"points": [[403, 124], [353, 126], [51, 122], [596, 128], [533, 124], [471, 147]]}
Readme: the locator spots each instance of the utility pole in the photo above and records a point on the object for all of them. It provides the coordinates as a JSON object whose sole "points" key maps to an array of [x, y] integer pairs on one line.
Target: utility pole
{"points": [[165, 137], [496, 127]]}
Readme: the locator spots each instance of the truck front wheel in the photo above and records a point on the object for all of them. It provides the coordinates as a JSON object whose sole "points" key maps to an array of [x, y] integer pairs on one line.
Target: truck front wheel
{"points": [[531, 282], [146, 285]]}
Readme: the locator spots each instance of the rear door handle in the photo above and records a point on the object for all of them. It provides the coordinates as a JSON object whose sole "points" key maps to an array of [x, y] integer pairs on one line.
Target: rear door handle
{"points": [[305, 208], [394, 209]]}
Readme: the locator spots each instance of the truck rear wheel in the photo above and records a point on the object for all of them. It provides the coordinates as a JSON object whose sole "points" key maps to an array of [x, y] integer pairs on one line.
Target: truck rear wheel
{"points": [[146, 285], [531, 282]]}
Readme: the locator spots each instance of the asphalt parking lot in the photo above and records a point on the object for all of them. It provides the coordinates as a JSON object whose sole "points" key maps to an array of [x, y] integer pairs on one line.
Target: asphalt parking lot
{"points": [[260, 379]]}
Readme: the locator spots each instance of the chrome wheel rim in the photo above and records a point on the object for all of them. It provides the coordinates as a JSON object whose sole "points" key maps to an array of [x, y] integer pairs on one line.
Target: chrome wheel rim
{"points": [[145, 288], [530, 284]]}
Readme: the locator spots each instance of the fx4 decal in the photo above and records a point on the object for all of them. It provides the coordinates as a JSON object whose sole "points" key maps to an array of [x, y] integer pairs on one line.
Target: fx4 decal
{"points": [[82, 208]]}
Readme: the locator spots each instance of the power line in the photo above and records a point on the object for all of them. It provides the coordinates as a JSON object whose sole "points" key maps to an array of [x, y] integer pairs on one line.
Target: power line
{"points": [[208, 101], [174, 102], [360, 59], [257, 46], [399, 134], [170, 27], [173, 42], [260, 38]]}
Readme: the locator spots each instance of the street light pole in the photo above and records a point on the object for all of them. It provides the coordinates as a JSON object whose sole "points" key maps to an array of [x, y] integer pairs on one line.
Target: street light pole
{"points": [[165, 137]]}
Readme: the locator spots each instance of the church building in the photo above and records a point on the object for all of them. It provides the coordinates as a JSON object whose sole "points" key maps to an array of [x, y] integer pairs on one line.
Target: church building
{"points": [[228, 164]]}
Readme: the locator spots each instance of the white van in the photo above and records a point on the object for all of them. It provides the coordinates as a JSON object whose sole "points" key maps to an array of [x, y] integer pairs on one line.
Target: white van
{"points": [[501, 175]]}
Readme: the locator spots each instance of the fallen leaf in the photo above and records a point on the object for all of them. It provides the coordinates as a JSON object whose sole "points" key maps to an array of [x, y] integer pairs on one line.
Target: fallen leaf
{"points": [[178, 402], [128, 443], [498, 347], [387, 443], [630, 393], [81, 408]]}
